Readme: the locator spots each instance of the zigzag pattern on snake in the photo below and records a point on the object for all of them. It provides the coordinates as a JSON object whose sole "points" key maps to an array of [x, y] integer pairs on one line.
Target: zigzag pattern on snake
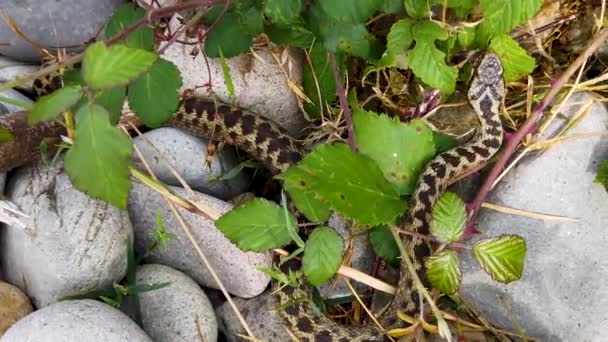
{"points": [[273, 146]]}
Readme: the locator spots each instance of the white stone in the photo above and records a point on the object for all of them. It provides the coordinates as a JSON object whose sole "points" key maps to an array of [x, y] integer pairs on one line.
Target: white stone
{"points": [[11, 69], [75, 244], [260, 82], [79, 320], [164, 147], [178, 312], [235, 268], [563, 294], [6, 107]]}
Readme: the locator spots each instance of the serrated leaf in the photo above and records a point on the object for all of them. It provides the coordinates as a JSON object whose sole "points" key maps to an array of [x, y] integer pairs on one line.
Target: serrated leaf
{"points": [[351, 183], [400, 36], [283, 12], [428, 62], [444, 142], [401, 150], [443, 272], [154, 96], [5, 135], [314, 209], [416, 8], [500, 16], [98, 162], [449, 218], [318, 81], [392, 6], [515, 60], [115, 66], [352, 11], [257, 225], [292, 35], [59, 101], [112, 100], [466, 37], [502, 257], [322, 255], [384, 245], [250, 15], [227, 36], [602, 174], [125, 16]]}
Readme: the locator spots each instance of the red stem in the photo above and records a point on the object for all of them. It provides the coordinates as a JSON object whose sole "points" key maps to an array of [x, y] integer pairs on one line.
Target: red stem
{"points": [[341, 92]]}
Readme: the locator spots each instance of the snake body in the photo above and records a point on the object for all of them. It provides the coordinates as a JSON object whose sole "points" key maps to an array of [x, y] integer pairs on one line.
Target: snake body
{"points": [[273, 146]]}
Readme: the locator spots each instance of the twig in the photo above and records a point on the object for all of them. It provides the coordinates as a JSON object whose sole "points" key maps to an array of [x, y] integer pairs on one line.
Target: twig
{"points": [[341, 92], [531, 124]]}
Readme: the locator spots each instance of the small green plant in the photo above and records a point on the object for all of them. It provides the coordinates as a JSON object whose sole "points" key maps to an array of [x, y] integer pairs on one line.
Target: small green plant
{"points": [[602, 174]]}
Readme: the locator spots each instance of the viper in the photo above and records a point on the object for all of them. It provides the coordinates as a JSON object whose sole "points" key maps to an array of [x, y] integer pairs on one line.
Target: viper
{"points": [[277, 150]]}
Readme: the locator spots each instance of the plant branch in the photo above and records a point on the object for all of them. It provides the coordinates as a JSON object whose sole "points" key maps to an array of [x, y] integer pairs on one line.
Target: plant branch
{"points": [[529, 127], [341, 92]]}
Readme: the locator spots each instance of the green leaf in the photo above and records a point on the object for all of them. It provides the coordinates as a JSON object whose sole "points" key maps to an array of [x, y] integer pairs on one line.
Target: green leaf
{"points": [[226, 76], [352, 11], [227, 36], [125, 16], [417, 8], [257, 225], [500, 16], [400, 150], [515, 60], [351, 183], [322, 255], [502, 257], [601, 177], [115, 66], [292, 35], [318, 81], [443, 272], [98, 162], [400, 36], [352, 39], [449, 218], [59, 101], [444, 142], [283, 12], [466, 37], [384, 245], [250, 16], [428, 62], [154, 96], [112, 100], [392, 6], [5, 135], [314, 209]]}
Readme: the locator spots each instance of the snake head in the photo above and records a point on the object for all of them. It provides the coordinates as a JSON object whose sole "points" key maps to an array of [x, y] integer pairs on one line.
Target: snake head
{"points": [[489, 70]]}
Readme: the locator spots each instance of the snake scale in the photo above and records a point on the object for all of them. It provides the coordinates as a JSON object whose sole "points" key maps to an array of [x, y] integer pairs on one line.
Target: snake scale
{"points": [[274, 147]]}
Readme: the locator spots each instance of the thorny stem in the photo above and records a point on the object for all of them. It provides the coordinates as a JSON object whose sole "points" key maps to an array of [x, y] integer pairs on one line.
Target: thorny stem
{"points": [[341, 92], [530, 126]]}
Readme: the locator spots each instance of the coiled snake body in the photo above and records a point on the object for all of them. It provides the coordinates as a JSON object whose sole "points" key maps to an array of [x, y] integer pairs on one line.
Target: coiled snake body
{"points": [[273, 146]]}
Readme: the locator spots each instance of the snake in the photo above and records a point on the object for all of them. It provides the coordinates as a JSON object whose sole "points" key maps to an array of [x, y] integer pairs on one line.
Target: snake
{"points": [[277, 150]]}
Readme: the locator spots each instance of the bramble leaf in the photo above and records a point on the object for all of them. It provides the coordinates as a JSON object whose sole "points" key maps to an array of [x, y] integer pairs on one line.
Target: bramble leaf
{"points": [[449, 218], [257, 225], [515, 60], [125, 16], [384, 245], [602, 174], [112, 100], [399, 37], [318, 81], [314, 209], [322, 255], [154, 96], [500, 16], [98, 162], [228, 37], [428, 62], [400, 151], [115, 66], [5, 135], [351, 183], [502, 257], [352, 11], [59, 101], [283, 12], [443, 271]]}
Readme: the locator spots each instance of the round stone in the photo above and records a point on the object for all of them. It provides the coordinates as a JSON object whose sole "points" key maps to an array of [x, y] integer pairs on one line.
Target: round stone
{"points": [[14, 305]]}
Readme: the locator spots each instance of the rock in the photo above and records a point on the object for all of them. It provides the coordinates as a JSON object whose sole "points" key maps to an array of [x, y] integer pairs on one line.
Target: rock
{"points": [[235, 268], [75, 244], [186, 155], [79, 320], [260, 82], [14, 305], [361, 257], [178, 312], [259, 314], [59, 23], [563, 293], [6, 107], [11, 69]]}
